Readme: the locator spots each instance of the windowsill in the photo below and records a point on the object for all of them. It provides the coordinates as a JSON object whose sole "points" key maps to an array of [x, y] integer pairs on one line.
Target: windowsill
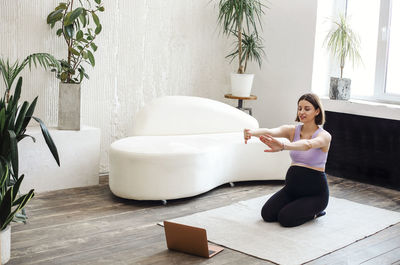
{"points": [[363, 108]]}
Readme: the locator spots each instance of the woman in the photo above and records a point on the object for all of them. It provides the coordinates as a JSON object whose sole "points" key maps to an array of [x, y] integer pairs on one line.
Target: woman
{"points": [[305, 194]]}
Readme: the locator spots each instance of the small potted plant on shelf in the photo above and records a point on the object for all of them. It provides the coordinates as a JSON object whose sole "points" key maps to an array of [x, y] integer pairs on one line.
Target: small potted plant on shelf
{"points": [[241, 19], [344, 45], [79, 26], [14, 118]]}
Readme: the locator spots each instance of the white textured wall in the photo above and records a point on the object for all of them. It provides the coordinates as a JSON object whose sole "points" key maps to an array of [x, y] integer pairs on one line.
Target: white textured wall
{"points": [[151, 48], [147, 49]]}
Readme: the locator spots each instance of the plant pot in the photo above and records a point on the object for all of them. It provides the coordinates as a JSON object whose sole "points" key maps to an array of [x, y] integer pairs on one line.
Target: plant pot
{"points": [[5, 244], [69, 106], [241, 84], [340, 88]]}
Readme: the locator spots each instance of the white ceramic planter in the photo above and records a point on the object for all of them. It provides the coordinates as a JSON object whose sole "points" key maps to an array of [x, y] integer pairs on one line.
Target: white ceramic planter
{"points": [[69, 107], [241, 84], [5, 237]]}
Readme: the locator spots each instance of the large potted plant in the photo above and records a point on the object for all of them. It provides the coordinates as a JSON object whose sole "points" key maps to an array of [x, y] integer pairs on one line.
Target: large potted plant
{"points": [[14, 118], [344, 45], [79, 26], [242, 19], [10, 205]]}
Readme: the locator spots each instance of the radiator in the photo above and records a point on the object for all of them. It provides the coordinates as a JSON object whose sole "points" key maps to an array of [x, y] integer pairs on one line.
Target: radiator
{"points": [[364, 149]]}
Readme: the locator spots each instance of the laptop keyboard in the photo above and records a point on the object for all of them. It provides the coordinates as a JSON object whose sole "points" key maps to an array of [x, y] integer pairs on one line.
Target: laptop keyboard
{"points": [[211, 252]]}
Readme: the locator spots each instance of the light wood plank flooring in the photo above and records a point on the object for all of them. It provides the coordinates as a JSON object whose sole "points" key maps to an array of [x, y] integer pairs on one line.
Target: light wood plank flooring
{"points": [[91, 226]]}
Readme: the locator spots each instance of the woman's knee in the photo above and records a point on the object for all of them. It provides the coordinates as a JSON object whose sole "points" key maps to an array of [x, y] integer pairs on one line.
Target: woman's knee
{"points": [[291, 219], [267, 214], [286, 220]]}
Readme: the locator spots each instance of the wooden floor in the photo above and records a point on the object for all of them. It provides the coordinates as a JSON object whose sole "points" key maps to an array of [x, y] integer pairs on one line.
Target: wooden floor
{"points": [[91, 226]]}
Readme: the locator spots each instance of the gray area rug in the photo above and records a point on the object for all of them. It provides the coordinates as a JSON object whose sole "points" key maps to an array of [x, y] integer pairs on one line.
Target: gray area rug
{"points": [[240, 227]]}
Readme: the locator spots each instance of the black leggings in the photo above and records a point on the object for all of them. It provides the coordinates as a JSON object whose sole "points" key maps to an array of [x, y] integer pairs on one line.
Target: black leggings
{"points": [[304, 195]]}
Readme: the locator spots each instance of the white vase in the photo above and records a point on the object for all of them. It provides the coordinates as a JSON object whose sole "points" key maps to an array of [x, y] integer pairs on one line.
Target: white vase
{"points": [[5, 237], [69, 106], [241, 84]]}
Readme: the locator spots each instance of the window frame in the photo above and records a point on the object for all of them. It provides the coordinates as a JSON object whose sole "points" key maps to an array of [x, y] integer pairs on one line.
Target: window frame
{"points": [[382, 54]]}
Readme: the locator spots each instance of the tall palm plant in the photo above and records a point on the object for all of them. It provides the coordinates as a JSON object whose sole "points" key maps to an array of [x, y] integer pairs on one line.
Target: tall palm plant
{"points": [[241, 18], [11, 71], [343, 42]]}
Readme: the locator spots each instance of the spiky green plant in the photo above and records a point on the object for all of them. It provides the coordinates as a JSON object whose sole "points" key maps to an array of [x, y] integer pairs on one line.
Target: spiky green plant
{"points": [[252, 49], [343, 42], [10, 203], [14, 118], [241, 18], [11, 71]]}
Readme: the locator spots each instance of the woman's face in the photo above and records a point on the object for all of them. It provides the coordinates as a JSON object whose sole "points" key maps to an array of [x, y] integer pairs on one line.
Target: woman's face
{"points": [[306, 111]]}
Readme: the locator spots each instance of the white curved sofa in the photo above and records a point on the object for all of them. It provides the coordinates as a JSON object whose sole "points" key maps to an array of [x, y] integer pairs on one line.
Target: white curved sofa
{"points": [[184, 146]]}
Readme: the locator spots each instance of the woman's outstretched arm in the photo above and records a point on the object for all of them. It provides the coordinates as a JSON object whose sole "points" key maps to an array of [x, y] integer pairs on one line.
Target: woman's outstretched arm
{"points": [[323, 139], [282, 131]]}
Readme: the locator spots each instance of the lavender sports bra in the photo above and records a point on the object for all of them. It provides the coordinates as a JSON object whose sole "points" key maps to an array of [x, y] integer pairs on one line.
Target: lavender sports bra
{"points": [[314, 157]]}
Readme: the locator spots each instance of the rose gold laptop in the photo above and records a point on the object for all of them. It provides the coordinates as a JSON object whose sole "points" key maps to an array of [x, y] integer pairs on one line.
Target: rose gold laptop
{"points": [[189, 239]]}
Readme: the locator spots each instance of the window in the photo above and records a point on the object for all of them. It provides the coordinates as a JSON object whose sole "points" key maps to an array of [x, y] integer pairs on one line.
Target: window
{"points": [[393, 66], [378, 24]]}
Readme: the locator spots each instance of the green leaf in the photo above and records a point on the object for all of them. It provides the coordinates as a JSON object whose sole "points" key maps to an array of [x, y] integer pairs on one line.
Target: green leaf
{"points": [[85, 55], [17, 185], [11, 120], [46, 60], [22, 136], [94, 47], [80, 75], [25, 200], [69, 30], [59, 32], [98, 1], [82, 18], [101, 9], [2, 119], [98, 29], [21, 204], [21, 118], [17, 93], [91, 58], [4, 174], [49, 140], [13, 151], [71, 16], [61, 6], [64, 76], [73, 51], [5, 207], [95, 19], [55, 16], [29, 113], [79, 35]]}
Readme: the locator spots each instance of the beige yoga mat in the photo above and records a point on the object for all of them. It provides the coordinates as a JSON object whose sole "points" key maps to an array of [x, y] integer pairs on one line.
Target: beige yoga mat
{"points": [[240, 227]]}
